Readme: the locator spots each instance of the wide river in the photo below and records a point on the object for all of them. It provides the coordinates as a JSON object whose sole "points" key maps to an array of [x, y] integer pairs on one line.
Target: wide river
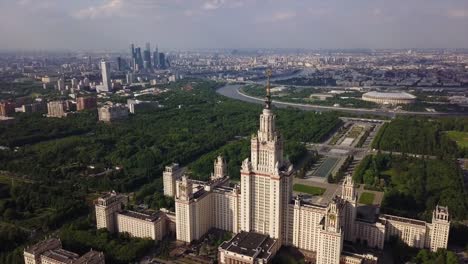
{"points": [[232, 91]]}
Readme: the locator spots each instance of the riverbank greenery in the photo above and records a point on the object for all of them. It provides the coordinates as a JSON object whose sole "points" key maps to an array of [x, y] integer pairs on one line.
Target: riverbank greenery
{"points": [[305, 96]]}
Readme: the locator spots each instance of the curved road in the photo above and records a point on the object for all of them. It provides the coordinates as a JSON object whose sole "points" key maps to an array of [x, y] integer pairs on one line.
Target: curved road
{"points": [[232, 91]]}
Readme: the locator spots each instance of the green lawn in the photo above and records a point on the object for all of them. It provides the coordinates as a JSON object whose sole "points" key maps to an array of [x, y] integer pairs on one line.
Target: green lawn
{"points": [[313, 190], [460, 137], [5, 179], [367, 198], [355, 132], [390, 172]]}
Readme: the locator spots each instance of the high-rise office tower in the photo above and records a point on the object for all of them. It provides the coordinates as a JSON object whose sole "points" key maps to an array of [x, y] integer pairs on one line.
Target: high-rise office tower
{"points": [[132, 57], [61, 84], [162, 60], [156, 58], [138, 58], [105, 71], [130, 78], [147, 57], [119, 63], [74, 83]]}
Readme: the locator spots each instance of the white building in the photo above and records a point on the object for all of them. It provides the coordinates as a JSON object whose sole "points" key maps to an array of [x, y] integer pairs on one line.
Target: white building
{"points": [[262, 209], [142, 225], [110, 214], [392, 98], [110, 113], [171, 174], [56, 109], [50, 251], [106, 81]]}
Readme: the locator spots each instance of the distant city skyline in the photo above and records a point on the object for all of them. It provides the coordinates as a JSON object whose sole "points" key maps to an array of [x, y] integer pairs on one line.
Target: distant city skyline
{"points": [[110, 25]]}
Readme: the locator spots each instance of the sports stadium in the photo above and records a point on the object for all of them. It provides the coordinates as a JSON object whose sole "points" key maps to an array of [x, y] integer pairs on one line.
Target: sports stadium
{"points": [[389, 98]]}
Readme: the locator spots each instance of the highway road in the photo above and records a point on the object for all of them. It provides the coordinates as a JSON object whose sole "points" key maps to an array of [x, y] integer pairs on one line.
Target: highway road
{"points": [[232, 91]]}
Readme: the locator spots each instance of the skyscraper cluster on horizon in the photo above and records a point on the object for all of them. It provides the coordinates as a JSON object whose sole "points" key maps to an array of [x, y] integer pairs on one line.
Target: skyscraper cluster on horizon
{"points": [[147, 60]]}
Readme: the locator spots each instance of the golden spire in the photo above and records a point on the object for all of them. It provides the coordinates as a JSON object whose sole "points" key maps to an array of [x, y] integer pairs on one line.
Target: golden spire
{"points": [[268, 95]]}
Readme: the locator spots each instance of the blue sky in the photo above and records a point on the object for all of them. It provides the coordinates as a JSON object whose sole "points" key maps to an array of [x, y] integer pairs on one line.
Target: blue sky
{"points": [[185, 24]]}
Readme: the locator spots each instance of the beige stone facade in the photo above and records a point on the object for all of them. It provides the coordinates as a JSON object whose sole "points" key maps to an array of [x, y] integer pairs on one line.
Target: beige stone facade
{"points": [[201, 207], [50, 251], [263, 204], [56, 109], [111, 215], [171, 174], [110, 113], [262, 207], [107, 208], [142, 225]]}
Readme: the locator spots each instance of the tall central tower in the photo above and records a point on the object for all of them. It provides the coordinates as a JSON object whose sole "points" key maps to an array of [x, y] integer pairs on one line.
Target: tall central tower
{"points": [[267, 145], [265, 178]]}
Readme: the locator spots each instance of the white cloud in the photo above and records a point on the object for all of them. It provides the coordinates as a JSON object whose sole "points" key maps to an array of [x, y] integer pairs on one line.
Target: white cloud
{"points": [[458, 13], [319, 11], [282, 16], [192, 12], [107, 9], [377, 12], [213, 4], [216, 4]]}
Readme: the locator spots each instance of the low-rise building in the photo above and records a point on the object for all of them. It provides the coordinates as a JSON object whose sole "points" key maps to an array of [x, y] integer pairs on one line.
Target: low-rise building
{"points": [[36, 107], [110, 113], [7, 108], [110, 214], [135, 106], [171, 174], [56, 109], [142, 225], [248, 248], [49, 79], [50, 251], [85, 103], [106, 208]]}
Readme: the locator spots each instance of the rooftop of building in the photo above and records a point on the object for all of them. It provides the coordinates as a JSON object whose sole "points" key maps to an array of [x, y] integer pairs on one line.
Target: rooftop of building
{"points": [[109, 197], [113, 106], [61, 255], [367, 213], [441, 209], [250, 244], [92, 257], [358, 250], [45, 245], [223, 188], [142, 216], [404, 220], [198, 194]]}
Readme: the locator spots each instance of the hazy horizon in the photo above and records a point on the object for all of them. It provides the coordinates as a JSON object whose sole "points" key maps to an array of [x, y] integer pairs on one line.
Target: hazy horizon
{"points": [[111, 25]]}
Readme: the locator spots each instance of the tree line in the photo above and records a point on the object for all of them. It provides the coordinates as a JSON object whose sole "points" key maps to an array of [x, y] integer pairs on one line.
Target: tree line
{"points": [[421, 136]]}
